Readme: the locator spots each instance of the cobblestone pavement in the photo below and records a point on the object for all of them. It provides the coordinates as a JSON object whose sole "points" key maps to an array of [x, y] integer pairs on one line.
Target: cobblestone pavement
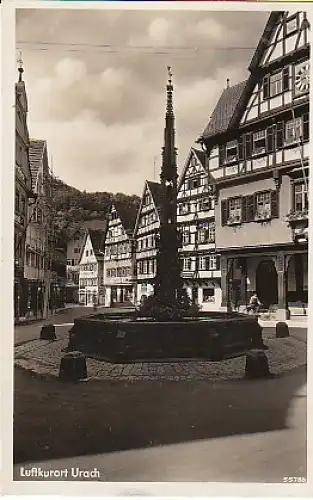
{"points": [[43, 357]]}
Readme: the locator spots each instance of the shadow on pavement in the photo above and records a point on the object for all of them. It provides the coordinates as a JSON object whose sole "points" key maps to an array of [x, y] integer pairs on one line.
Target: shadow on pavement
{"points": [[55, 420]]}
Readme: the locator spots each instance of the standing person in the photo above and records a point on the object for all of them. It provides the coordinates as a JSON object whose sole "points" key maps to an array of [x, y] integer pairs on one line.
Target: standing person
{"points": [[254, 303]]}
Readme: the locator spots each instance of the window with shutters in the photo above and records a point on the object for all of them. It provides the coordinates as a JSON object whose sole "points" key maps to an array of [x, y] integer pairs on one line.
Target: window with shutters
{"points": [[276, 83], [293, 130], [231, 151], [202, 263], [301, 197], [263, 205], [212, 263], [259, 142], [234, 210]]}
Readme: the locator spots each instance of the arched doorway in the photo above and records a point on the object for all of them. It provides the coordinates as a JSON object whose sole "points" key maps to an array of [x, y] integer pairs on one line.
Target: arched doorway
{"points": [[266, 283]]}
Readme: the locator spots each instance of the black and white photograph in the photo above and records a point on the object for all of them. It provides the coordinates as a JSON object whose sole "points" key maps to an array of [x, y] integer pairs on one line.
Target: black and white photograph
{"points": [[161, 270]]}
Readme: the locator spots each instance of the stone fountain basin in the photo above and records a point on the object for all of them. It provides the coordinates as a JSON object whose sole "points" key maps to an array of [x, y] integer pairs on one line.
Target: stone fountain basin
{"points": [[120, 338]]}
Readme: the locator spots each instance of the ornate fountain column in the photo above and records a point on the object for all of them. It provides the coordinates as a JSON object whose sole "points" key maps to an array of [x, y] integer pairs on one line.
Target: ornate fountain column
{"points": [[168, 283]]}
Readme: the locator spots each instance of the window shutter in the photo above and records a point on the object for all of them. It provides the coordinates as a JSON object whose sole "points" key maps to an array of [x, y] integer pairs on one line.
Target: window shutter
{"points": [[240, 149], [222, 151], [266, 87], [248, 145], [218, 262], [250, 207], [270, 140], [274, 204], [244, 209], [286, 78], [224, 212], [305, 126], [280, 135]]}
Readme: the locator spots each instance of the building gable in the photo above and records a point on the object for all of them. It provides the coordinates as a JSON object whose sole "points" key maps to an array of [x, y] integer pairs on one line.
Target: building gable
{"points": [[279, 69], [88, 254], [149, 205]]}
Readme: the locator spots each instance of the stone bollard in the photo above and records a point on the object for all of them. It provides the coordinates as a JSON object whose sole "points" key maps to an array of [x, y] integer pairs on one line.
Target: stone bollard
{"points": [[282, 330], [73, 367], [256, 364], [48, 332]]}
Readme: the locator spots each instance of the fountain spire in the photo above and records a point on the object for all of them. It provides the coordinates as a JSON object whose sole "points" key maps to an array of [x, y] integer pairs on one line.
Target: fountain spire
{"points": [[168, 281]]}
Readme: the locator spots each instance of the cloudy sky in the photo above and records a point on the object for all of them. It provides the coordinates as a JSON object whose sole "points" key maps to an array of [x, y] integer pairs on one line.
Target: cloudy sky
{"points": [[96, 92]]}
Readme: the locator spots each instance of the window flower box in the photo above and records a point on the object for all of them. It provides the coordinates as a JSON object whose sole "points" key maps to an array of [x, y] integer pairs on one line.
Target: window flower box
{"points": [[297, 218], [233, 220], [263, 216]]}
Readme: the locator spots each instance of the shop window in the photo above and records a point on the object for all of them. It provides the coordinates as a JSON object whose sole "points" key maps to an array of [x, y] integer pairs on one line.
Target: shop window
{"points": [[208, 295]]}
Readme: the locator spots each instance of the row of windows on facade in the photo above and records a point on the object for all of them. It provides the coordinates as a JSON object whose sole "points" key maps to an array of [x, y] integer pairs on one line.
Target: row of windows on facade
{"points": [[118, 272], [203, 263], [194, 183], [204, 234], [147, 219], [260, 206], [266, 140], [89, 267], [116, 231], [88, 282], [117, 249], [279, 81], [147, 242], [187, 207]]}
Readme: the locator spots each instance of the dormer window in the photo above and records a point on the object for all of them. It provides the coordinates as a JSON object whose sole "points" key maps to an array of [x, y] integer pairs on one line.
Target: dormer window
{"points": [[231, 151], [259, 142]]}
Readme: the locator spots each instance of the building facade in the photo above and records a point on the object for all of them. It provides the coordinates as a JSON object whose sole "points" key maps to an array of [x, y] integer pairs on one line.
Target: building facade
{"points": [[73, 253], [23, 197], [37, 229], [196, 221], [119, 255], [91, 269], [145, 235], [257, 144]]}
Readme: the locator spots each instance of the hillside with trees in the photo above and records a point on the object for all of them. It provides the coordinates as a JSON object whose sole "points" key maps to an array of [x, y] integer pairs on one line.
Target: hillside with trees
{"points": [[73, 208]]}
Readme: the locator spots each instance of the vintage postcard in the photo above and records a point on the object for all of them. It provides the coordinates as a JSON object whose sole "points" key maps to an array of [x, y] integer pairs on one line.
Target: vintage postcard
{"points": [[156, 205]]}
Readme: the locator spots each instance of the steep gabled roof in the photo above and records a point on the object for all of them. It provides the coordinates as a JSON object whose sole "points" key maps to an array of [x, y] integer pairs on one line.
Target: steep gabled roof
{"points": [[127, 213], [156, 193], [36, 152], [273, 19], [224, 110], [97, 239], [201, 156]]}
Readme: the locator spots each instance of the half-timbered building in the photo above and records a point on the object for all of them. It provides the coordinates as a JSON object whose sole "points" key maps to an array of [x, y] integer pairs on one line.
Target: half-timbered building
{"points": [[196, 222], [91, 269], [257, 144], [119, 254], [146, 228]]}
